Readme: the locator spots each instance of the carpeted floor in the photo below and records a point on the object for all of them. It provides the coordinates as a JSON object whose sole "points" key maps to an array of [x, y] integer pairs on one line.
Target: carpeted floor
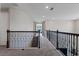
{"points": [[28, 52]]}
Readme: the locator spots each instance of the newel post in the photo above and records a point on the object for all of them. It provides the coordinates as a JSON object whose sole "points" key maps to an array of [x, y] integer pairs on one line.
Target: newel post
{"points": [[57, 39], [7, 45], [49, 35]]}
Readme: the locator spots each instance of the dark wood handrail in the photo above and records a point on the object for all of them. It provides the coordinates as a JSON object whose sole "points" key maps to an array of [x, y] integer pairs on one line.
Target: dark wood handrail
{"points": [[65, 33], [22, 31]]}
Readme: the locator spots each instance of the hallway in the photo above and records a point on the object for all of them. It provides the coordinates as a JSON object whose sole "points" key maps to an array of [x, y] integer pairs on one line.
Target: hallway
{"points": [[21, 25]]}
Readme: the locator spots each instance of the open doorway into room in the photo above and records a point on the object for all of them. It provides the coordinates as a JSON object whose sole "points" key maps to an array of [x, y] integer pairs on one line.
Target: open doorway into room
{"points": [[38, 27]]}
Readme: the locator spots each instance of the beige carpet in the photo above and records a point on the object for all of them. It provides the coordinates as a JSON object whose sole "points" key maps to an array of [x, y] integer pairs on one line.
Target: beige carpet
{"points": [[27, 52]]}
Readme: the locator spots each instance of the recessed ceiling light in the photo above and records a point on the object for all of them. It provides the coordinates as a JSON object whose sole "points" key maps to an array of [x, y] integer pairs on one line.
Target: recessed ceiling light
{"points": [[47, 7], [43, 16]]}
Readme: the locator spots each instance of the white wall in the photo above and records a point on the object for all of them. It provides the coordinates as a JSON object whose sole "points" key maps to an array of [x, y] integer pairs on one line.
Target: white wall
{"points": [[20, 20], [3, 27], [61, 25], [76, 26]]}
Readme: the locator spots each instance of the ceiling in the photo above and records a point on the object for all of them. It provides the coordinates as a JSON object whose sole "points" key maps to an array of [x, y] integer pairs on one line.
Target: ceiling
{"points": [[38, 12]]}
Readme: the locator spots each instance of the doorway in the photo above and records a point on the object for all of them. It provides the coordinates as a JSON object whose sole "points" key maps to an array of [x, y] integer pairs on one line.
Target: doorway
{"points": [[38, 27]]}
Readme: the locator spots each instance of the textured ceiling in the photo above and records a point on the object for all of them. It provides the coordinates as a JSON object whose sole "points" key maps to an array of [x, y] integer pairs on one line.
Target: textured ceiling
{"points": [[64, 11]]}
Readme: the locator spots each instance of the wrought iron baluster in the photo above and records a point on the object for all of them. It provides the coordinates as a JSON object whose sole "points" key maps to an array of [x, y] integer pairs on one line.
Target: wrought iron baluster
{"points": [[73, 45], [76, 45]]}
